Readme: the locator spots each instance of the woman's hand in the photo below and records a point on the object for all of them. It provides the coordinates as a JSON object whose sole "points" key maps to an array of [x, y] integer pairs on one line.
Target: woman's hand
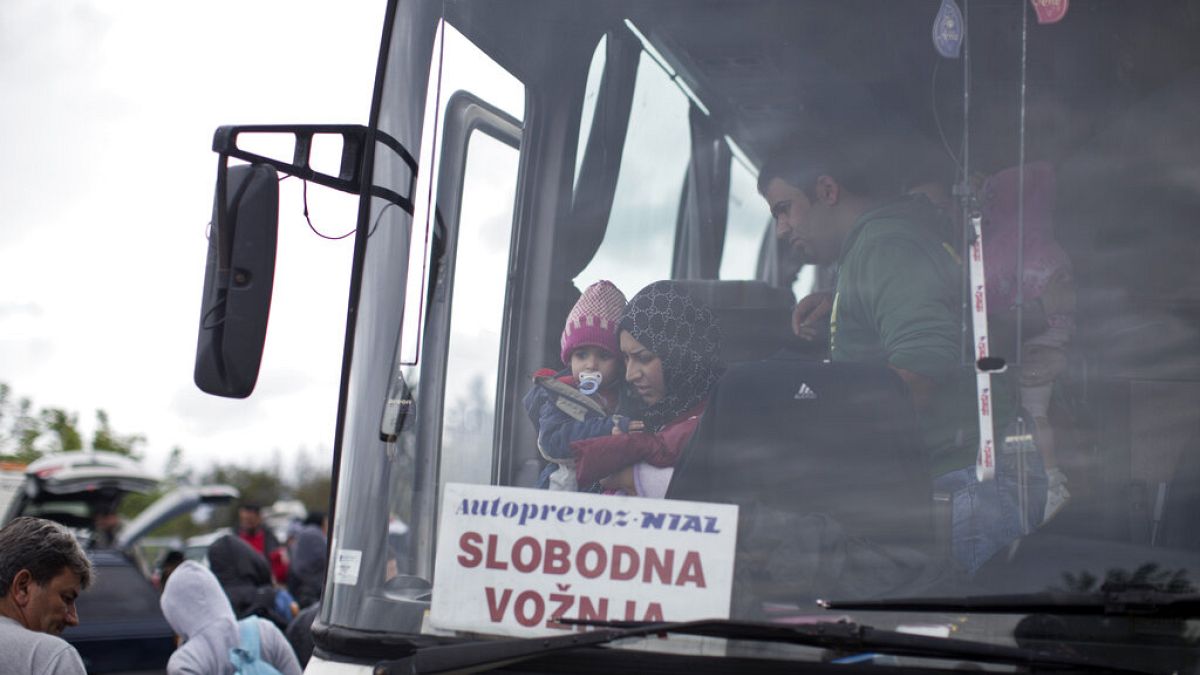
{"points": [[621, 480], [634, 425]]}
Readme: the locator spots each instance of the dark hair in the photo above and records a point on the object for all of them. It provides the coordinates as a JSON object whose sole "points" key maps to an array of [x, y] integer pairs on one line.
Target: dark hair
{"points": [[862, 163], [316, 518], [43, 547], [250, 506], [171, 557]]}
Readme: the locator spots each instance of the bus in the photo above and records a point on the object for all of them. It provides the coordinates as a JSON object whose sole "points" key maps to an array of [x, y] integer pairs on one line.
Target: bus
{"points": [[799, 487]]}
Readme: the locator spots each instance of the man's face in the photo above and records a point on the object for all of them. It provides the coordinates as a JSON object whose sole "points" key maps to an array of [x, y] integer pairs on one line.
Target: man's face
{"points": [[107, 522], [802, 226], [50, 608], [249, 519]]}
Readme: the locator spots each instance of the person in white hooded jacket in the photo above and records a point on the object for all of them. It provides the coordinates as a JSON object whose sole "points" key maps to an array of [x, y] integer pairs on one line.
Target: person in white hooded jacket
{"points": [[201, 615]]}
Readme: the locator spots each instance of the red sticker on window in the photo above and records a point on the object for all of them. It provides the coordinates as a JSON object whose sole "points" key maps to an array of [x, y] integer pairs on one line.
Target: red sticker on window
{"points": [[1050, 11]]}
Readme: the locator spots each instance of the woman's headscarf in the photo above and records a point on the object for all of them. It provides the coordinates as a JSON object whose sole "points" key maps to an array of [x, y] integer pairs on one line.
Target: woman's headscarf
{"points": [[683, 333]]}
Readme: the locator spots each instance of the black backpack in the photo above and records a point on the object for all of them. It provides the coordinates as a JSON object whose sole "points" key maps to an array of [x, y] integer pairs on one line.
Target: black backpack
{"points": [[825, 463]]}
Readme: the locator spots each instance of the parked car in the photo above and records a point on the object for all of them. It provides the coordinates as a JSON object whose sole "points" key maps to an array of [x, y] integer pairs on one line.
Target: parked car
{"points": [[122, 629]]}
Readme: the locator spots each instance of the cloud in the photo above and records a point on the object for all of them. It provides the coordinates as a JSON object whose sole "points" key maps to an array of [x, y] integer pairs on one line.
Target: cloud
{"points": [[205, 416], [20, 309]]}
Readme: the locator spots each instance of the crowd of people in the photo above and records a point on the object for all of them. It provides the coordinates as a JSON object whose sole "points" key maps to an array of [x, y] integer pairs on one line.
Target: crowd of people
{"points": [[227, 613]]}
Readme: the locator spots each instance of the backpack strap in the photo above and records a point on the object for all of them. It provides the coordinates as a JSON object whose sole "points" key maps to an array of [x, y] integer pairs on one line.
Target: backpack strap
{"points": [[247, 651]]}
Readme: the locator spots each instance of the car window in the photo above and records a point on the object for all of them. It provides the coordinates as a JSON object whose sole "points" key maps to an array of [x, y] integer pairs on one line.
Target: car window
{"points": [[118, 592]]}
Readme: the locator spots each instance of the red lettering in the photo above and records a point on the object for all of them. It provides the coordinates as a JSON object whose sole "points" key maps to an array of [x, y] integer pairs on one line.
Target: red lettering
{"points": [[664, 566], [630, 608], [557, 551], [691, 571], [589, 612], [469, 543], [581, 560], [492, 563], [496, 612], [653, 612], [565, 602], [525, 618], [628, 556], [535, 557]]}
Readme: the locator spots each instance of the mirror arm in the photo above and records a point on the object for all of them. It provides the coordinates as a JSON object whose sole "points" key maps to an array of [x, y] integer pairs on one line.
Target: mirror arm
{"points": [[350, 173]]}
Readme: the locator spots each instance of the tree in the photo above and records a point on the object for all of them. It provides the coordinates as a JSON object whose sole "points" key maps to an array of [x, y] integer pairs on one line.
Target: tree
{"points": [[257, 486], [25, 436], [177, 471], [63, 427], [106, 438], [19, 428]]}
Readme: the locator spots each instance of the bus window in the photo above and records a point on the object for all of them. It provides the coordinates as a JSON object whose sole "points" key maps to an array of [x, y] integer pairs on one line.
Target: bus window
{"points": [[591, 94], [477, 314], [640, 238], [746, 224]]}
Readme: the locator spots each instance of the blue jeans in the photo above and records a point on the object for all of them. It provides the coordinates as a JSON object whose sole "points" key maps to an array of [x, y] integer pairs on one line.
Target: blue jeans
{"points": [[986, 517]]}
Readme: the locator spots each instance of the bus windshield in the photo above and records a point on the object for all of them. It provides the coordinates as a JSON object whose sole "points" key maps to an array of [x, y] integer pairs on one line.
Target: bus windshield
{"points": [[909, 288]]}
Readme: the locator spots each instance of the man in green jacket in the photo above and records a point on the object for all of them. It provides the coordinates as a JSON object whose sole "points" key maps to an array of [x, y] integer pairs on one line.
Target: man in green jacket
{"points": [[897, 303]]}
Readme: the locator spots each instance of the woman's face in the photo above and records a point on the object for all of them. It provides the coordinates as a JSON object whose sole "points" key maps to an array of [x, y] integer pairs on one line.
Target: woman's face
{"points": [[643, 370]]}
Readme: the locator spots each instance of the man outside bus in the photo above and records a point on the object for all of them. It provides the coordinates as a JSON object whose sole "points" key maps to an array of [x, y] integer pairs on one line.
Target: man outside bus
{"points": [[897, 303], [252, 531], [42, 572]]}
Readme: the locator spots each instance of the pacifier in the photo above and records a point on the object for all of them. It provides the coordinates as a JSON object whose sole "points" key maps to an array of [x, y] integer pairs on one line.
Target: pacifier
{"points": [[589, 382]]}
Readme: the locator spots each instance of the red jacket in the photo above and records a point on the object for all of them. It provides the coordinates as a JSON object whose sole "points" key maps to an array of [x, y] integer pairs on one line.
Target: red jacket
{"points": [[264, 542], [603, 456]]}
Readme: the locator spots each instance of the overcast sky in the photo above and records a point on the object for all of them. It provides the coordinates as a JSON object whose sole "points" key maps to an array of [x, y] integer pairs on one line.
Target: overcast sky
{"points": [[106, 179]]}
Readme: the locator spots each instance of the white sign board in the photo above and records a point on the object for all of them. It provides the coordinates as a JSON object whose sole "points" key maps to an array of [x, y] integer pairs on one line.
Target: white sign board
{"points": [[512, 561]]}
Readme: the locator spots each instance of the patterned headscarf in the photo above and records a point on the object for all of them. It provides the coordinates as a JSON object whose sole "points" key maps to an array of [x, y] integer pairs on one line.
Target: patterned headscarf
{"points": [[683, 333]]}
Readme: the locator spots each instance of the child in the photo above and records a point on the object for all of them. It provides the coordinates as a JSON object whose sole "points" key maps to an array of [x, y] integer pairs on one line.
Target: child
{"points": [[579, 401], [1048, 293]]}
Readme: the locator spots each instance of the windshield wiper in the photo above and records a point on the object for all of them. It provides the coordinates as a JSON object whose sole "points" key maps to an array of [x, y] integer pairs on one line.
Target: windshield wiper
{"points": [[1128, 602], [843, 637]]}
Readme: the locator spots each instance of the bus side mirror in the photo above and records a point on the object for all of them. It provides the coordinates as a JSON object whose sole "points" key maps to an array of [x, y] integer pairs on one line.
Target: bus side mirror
{"points": [[238, 277]]}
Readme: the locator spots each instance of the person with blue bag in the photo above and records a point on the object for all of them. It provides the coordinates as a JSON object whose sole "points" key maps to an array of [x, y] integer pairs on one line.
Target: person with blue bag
{"points": [[213, 641]]}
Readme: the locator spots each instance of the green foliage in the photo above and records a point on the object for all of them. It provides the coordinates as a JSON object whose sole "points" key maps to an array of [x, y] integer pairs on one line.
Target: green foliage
{"points": [[106, 438], [258, 486], [19, 428], [63, 428], [26, 436], [315, 493]]}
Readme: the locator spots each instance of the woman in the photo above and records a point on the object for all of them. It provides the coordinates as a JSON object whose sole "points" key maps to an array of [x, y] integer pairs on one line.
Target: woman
{"points": [[671, 344]]}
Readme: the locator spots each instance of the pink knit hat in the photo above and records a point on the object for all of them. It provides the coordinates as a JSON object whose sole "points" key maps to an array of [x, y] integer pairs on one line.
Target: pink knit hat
{"points": [[593, 320]]}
